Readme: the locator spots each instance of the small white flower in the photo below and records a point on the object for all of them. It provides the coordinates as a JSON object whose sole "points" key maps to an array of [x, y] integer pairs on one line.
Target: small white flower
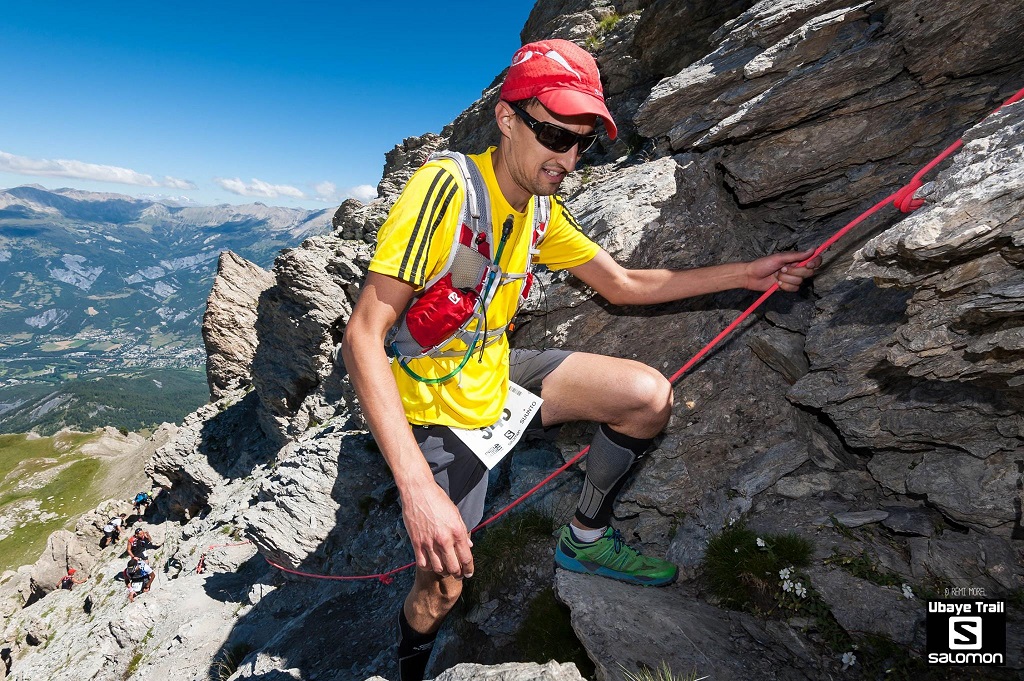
{"points": [[760, 542], [908, 593], [732, 521], [787, 586], [799, 589], [849, 659], [784, 573]]}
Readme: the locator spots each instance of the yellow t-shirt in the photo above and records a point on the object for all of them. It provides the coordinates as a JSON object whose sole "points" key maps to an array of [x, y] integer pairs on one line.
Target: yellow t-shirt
{"points": [[413, 245]]}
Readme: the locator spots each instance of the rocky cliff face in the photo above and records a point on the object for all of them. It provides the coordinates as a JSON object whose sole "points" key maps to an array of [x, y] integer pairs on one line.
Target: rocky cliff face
{"points": [[877, 414], [229, 331]]}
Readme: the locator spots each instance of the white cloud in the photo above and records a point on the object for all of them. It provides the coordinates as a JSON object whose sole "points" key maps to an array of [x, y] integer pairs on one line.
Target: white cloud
{"points": [[258, 188], [79, 170], [325, 190], [363, 192], [328, 192], [175, 183]]}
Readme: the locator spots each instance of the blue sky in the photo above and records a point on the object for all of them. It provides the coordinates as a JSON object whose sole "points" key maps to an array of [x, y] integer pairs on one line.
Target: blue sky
{"points": [[286, 103]]}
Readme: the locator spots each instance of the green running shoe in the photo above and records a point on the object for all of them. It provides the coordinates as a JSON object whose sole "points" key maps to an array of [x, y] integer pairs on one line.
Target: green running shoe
{"points": [[609, 556]]}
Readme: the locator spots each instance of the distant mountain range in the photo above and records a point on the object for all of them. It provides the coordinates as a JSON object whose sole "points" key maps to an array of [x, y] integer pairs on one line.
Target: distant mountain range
{"points": [[93, 285]]}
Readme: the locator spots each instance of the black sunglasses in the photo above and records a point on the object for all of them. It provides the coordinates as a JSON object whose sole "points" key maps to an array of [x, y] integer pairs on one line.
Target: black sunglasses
{"points": [[553, 137]]}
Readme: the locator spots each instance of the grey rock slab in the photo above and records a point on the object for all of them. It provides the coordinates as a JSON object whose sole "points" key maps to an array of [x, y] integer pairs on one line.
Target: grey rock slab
{"points": [[983, 493], [619, 211], [862, 607], [804, 485], [968, 561], [823, 65], [913, 521], [710, 89], [891, 469], [856, 518], [214, 443], [624, 627], [981, 39], [959, 254], [403, 160], [510, 671], [760, 473], [782, 350]]}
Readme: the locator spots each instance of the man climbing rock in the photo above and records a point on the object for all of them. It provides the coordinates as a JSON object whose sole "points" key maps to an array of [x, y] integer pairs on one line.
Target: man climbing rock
{"points": [[141, 502], [427, 352], [112, 530], [138, 577], [69, 580], [140, 542]]}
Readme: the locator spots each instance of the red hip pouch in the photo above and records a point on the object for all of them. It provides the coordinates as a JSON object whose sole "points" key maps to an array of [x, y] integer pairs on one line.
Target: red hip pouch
{"points": [[440, 312]]}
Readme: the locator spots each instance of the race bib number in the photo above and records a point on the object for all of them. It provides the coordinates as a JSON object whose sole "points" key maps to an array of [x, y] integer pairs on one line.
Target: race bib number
{"points": [[492, 443]]}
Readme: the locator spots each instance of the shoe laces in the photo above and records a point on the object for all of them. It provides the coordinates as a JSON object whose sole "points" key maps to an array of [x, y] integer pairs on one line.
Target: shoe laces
{"points": [[618, 542]]}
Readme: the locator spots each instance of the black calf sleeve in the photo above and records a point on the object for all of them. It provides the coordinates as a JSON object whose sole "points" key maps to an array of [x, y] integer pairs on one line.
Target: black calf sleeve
{"points": [[414, 650], [612, 455]]}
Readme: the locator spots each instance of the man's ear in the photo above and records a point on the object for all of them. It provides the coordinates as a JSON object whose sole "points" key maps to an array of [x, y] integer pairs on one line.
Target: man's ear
{"points": [[503, 115]]}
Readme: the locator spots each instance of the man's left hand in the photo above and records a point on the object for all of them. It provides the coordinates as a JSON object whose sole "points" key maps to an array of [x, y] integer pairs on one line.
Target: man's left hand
{"points": [[780, 268]]}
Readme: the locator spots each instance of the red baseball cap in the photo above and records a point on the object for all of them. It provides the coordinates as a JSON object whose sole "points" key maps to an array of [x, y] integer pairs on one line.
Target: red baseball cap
{"points": [[562, 75]]}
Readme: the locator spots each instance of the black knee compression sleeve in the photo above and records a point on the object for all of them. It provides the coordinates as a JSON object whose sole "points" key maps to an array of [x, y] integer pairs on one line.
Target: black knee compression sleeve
{"points": [[610, 459]]}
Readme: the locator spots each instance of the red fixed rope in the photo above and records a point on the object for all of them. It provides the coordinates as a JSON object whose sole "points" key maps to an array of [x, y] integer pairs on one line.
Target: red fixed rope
{"points": [[221, 546], [383, 577], [201, 564], [903, 199]]}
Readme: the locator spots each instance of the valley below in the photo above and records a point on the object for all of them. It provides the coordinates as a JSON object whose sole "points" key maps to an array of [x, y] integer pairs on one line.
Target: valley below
{"points": [[102, 299]]}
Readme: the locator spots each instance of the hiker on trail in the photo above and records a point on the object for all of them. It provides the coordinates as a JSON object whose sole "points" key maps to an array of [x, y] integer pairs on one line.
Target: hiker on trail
{"points": [[431, 373], [141, 503], [139, 543], [69, 580], [138, 572], [112, 530]]}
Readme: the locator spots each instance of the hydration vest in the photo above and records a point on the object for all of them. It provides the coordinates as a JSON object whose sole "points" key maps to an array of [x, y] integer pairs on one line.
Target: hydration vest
{"points": [[453, 305]]}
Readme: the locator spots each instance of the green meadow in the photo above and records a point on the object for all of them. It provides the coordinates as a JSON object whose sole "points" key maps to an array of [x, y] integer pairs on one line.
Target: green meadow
{"points": [[68, 489]]}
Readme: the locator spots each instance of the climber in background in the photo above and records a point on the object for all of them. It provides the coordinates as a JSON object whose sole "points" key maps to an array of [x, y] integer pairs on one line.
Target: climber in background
{"points": [[138, 577], [139, 543], [69, 580], [141, 503], [112, 530]]}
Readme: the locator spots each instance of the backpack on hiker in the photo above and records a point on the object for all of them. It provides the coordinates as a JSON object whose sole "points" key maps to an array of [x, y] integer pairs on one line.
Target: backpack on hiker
{"points": [[453, 305]]}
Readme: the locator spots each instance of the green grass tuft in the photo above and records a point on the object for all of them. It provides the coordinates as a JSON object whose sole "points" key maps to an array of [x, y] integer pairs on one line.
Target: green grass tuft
{"points": [[498, 550], [595, 41], [226, 663], [608, 23], [547, 634], [133, 665], [745, 576], [661, 673]]}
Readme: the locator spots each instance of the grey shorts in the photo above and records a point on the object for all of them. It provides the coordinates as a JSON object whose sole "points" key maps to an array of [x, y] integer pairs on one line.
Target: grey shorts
{"points": [[455, 467]]}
